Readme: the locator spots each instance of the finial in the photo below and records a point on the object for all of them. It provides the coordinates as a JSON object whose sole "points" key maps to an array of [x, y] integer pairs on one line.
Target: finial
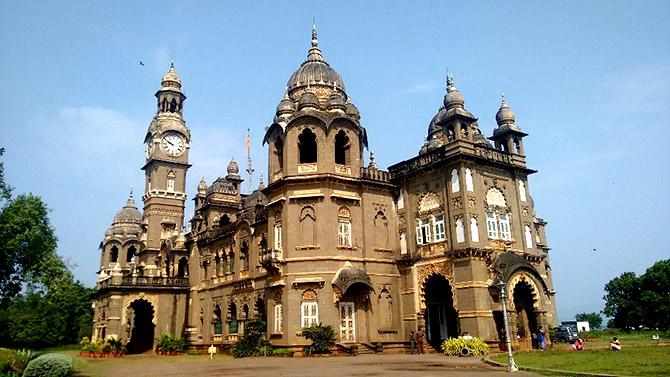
{"points": [[373, 161], [172, 63], [503, 100], [450, 82], [315, 41], [260, 180], [131, 200]]}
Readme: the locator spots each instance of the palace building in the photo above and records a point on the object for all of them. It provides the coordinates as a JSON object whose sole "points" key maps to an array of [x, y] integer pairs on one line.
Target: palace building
{"points": [[375, 254]]}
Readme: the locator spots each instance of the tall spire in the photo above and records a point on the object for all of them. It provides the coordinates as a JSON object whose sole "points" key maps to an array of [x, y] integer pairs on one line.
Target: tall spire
{"points": [[314, 52]]}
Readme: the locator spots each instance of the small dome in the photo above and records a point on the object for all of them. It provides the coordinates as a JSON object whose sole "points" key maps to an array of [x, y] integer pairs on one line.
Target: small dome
{"points": [[337, 101], [233, 168], [424, 148], [308, 100], [202, 186], [435, 142], [315, 72], [171, 79], [256, 198], [505, 115], [352, 110], [453, 98], [285, 106], [128, 214], [433, 127]]}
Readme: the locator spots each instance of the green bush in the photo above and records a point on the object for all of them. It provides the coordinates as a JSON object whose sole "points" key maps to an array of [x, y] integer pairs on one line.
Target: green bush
{"points": [[282, 352], [322, 337], [170, 343], [252, 343], [465, 347], [50, 365]]}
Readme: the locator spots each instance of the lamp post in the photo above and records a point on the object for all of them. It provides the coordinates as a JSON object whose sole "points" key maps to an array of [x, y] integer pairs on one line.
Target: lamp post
{"points": [[511, 366]]}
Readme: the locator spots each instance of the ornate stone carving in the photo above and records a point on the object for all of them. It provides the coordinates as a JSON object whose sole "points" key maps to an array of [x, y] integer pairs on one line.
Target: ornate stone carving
{"points": [[443, 268], [472, 202], [344, 212], [309, 295], [307, 168], [456, 203], [151, 299], [429, 201]]}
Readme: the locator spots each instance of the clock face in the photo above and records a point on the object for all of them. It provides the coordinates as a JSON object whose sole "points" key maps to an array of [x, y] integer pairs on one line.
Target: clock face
{"points": [[172, 144]]}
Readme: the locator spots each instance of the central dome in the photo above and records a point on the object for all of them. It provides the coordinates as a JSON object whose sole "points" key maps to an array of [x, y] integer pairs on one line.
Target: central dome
{"points": [[314, 74]]}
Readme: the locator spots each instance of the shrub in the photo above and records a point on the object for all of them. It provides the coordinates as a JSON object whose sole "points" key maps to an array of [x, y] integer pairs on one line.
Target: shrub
{"points": [[465, 347], [252, 343], [50, 365], [322, 337], [84, 344], [13, 362], [282, 352], [170, 343], [115, 345]]}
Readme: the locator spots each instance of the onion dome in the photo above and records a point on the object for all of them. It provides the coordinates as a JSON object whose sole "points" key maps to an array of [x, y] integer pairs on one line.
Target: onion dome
{"points": [[433, 127], [202, 186], [424, 148], [128, 215], [286, 106], [221, 186], [171, 79], [352, 110], [233, 168], [337, 102], [308, 100], [453, 98], [315, 72], [505, 115]]}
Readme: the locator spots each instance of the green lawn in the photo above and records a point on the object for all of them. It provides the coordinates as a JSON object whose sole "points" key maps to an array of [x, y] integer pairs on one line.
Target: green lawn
{"points": [[632, 361]]}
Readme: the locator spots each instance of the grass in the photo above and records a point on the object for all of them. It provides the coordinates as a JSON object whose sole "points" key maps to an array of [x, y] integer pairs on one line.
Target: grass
{"points": [[649, 360]]}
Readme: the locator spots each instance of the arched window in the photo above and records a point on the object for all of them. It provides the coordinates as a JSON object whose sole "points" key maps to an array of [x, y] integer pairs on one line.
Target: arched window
{"points": [[217, 264], [342, 148], [469, 185], [216, 319], [344, 227], [279, 153], [173, 105], [455, 182], [164, 104], [244, 256], [132, 251], [386, 308], [522, 191], [170, 181], [182, 269], [307, 146], [307, 226], [460, 231], [474, 230], [232, 312], [529, 237], [403, 243], [381, 230], [231, 262], [114, 255], [225, 220]]}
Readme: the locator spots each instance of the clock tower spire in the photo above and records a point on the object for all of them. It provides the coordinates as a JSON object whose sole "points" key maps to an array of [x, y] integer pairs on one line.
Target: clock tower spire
{"points": [[167, 145]]}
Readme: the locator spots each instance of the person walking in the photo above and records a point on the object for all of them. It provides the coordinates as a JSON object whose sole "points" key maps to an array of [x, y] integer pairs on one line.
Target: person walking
{"points": [[542, 339], [420, 338]]}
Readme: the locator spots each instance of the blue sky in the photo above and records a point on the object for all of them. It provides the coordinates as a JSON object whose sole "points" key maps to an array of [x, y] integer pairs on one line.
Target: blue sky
{"points": [[589, 81]]}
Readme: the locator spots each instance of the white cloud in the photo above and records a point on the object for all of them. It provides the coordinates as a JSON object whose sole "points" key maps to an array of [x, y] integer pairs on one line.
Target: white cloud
{"points": [[420, 88]]}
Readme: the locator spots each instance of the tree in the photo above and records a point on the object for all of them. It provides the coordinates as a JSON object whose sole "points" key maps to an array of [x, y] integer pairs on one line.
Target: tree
{"points": [[594, 319], [634, 302], [27, 244]]}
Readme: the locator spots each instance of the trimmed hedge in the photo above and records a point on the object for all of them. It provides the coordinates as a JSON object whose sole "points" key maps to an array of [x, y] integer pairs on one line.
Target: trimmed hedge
{"points": [[50, 365]]}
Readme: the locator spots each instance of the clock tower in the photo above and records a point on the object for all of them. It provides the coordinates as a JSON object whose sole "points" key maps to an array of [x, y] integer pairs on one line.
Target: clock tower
{"points": [[167, 145]]}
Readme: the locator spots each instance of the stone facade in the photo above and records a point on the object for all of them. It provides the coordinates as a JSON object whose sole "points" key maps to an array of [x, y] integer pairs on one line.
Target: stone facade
{"points": [[376, 254]]}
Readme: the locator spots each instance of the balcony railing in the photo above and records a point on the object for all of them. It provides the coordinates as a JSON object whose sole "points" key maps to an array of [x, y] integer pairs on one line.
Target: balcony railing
{"points": [[143, 281]]}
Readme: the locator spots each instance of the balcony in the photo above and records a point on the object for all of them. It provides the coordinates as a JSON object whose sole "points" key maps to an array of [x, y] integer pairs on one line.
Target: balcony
{"points": [[143, 282]]}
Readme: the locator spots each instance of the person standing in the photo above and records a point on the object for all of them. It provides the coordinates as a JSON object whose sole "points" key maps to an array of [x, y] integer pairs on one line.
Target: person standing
{"points": [[542, 339], [420, 338]]}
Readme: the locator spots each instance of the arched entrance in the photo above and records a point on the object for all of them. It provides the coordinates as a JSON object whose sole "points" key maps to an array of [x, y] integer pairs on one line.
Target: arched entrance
{"points": [[141, 326], [526, 319], [441, 316]]}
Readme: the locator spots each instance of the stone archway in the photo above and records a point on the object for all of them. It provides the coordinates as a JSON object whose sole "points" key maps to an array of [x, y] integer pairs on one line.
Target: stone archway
{"points": [[440, 314], [141, 326], [525, 307]]}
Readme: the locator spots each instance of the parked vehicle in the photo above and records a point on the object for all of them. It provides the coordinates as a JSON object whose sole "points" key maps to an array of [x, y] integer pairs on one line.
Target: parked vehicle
{"points": [[564, 334]]}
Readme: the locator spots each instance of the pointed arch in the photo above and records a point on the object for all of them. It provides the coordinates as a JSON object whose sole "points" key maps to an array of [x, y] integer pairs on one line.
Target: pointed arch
{"points": [[307, 147]]}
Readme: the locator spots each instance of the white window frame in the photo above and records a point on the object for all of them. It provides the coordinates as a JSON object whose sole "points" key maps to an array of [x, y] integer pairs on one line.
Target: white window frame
{"points": [[309, 313], [438, 228], [403, 243], [505, 229], [522, 191], [529, 237], [344, 232], [277, 236], [401, 202], [424, 231], [492, 225], [278, 318]]}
